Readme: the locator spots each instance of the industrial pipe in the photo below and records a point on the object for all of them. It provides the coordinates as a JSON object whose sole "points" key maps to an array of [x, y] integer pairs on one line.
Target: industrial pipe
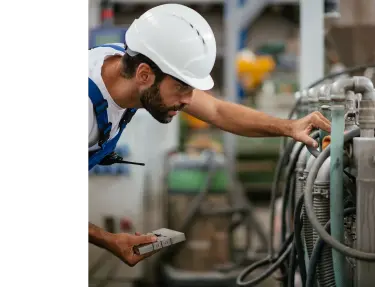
{"points": [[336, 182], [313, 100], [307, 228], [324, 100], [350, 252], [321, 203]]}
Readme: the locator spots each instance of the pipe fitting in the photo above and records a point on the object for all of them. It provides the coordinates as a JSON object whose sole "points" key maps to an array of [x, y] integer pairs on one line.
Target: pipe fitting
{"points": [[313, 100]]}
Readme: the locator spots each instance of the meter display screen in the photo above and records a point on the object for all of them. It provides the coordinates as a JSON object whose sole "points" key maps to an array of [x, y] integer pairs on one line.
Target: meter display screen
{"points": [[105, 35], [107, 38]]}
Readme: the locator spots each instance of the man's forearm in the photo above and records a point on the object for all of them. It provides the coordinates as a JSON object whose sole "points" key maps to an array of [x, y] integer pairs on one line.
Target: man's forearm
{"points": [[100, 237], [245, 121]]}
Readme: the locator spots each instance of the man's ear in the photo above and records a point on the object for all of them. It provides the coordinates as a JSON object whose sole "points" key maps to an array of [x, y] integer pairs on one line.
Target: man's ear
{"points": [[144, 75]]}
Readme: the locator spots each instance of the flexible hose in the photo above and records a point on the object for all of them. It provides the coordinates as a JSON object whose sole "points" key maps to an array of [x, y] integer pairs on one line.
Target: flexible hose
{"points": [[313, 151], [276, 263], [318, 249], [287, 189], [349, 252], [326, 277], [297, 247], [275, 184]]}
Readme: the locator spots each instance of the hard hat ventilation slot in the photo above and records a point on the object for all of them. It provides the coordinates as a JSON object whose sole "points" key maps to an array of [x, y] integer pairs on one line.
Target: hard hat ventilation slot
{"points": [[196, 30]]}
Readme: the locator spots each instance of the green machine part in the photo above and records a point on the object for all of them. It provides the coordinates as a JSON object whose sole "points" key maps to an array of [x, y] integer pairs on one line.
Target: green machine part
{"points": [[256, 162], [187, 174]]}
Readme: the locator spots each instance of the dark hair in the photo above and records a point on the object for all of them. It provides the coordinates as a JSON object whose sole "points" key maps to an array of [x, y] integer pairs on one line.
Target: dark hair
{"points": [[131, 63]]}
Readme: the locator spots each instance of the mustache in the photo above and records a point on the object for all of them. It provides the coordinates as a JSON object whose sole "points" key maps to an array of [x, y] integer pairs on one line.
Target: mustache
{"points": [[177, 108]]}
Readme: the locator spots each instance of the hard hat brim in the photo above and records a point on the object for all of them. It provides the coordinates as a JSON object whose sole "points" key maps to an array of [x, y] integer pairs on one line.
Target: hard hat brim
{"points": [[204, 84]]}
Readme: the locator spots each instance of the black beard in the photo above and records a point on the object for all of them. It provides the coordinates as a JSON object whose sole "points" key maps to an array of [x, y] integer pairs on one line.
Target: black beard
{"points": [[151, 100]]}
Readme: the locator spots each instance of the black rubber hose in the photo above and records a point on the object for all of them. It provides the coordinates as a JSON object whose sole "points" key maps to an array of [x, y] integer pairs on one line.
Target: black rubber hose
{"points": [[285, 196], [298, 246], [313, 151], [347, 251], [315, 255], [275, 184], [276, 263], [298, 225], [290, 170], [292, 266]]}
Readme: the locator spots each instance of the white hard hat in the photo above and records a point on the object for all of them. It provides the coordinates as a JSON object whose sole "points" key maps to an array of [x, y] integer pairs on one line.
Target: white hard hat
{"points": [[178, 40]]}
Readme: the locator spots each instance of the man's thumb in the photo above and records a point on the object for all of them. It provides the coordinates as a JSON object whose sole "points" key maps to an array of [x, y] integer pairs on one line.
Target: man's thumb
{"points": [[144, 239]]}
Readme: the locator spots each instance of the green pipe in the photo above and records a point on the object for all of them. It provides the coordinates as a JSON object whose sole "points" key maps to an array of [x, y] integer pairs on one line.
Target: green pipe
{"points": [[336, 188], [325, 110], [324, 107]]}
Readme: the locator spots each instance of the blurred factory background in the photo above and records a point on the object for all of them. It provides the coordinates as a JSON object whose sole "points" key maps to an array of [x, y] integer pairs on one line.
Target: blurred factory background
{"points": [[272, 42]]}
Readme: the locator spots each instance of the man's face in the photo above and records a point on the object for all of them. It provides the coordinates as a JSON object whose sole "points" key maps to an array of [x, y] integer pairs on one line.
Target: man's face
{"points": [[164, 99]]}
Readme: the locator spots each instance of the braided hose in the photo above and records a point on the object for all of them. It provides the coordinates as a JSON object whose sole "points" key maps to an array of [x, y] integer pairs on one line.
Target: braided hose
{"points": [[325, 272], [307, 228]]}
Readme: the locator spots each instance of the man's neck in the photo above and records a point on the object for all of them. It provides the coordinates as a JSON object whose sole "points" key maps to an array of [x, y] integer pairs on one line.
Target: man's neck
{"points": [[121, 90]]}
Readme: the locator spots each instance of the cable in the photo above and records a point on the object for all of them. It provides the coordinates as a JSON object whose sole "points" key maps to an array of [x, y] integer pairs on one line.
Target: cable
{"points": [[315, 255], [349, 252], [275, 184], [313, 151], [276, 263], [298, 245]]}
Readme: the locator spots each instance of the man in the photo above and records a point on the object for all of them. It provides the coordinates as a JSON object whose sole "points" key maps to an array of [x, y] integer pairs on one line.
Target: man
{"points": [[170, 52]]}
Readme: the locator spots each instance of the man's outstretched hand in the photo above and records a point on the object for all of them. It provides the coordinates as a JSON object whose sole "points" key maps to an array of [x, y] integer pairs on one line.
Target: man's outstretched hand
{"points": [[122, 246], [302, 128]]}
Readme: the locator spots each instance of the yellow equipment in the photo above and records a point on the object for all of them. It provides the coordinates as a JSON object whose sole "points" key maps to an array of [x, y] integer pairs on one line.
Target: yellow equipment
{"points": [[252, 69]]}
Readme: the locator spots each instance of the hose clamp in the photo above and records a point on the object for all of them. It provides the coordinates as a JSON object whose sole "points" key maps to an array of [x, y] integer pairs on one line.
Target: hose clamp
{"points": [[321, 191]]}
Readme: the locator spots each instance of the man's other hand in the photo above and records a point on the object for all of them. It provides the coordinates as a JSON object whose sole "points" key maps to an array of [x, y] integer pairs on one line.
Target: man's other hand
{"points": [[302, 128], [122, 246]]}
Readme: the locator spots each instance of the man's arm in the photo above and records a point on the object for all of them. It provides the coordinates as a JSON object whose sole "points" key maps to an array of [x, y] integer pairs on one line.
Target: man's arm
{"points": [[100, 237], [235, 118], [245, 121]]}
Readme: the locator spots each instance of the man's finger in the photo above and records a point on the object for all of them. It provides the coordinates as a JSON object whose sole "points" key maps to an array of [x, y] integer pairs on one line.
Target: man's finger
{"points": [[324, 119], [320, 123], [141, 239], [309, 141], [138, 234], [137, 258]]}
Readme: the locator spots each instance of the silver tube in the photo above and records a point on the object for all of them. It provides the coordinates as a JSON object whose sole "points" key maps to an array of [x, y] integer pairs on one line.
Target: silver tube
{"points": [[307, 228], [321, 204], [300, 167], [313, 99], [356, 84]]}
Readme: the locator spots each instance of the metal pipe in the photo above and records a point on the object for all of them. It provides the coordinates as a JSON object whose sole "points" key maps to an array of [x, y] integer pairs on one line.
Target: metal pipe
{"points": [[313, 99], [364, 156], [357, 84], [304, 103], [324, 100], [300, 167], [336, 183], [321, 202], [307, 228]]}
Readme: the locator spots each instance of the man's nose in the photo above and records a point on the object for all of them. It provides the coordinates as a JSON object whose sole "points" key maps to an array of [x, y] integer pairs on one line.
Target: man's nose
{"points": [[186, 99]]}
